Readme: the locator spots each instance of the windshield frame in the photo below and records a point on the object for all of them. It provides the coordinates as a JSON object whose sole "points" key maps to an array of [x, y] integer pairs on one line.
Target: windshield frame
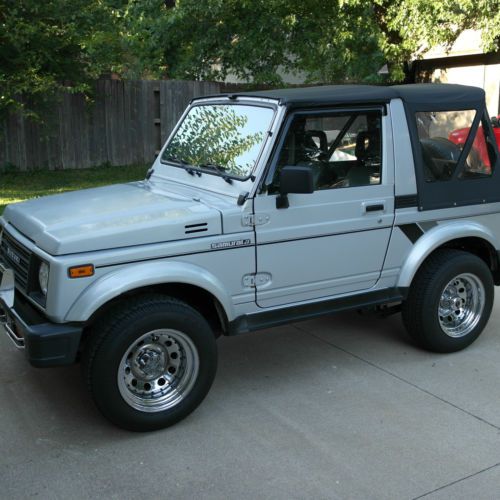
{"points": [[226, 101]]}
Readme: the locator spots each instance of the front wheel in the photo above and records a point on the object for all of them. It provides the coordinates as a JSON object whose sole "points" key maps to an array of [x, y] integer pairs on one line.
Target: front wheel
{"points": [[150, 362], [450, 301]]}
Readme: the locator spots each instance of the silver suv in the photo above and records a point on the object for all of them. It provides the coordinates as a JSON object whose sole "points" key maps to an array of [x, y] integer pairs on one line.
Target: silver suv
{"points": [[261, 209]]}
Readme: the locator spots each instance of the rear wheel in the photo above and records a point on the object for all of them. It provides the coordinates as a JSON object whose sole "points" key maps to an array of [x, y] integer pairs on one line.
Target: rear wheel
{"points": [[150, 362], [450, 301]]}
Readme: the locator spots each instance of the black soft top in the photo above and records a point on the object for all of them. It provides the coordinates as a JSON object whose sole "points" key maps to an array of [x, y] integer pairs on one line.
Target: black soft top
{"points": [[428, 95]]}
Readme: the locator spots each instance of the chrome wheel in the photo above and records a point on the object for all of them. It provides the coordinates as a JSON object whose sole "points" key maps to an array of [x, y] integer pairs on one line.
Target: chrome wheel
{"points": [[158, 370], [461, 305]]}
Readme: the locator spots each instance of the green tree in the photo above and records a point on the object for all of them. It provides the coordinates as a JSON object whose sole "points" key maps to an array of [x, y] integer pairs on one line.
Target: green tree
{"points": [[324, 40], [145, 24], [52, 45], [409, 27]]}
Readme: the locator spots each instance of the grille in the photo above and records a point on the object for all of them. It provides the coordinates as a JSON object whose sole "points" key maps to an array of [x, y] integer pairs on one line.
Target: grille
{"points": [[17, 257]]}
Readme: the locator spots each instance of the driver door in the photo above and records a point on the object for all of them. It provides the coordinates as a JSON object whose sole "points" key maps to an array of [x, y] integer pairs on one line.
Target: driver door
{"points": [[332, 241]]}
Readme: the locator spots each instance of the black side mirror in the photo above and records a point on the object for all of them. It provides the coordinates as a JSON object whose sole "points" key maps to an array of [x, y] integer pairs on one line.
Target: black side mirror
{"points": [[495, 121], [294, 179]]}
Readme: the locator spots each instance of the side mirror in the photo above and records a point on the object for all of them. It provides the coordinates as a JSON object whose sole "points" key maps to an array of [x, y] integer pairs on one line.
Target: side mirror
{"points": [[294, 179], [495, 121]]}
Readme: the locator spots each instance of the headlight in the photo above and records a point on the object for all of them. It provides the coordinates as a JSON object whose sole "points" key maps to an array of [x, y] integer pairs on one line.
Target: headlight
{"points": [[43, 277]]}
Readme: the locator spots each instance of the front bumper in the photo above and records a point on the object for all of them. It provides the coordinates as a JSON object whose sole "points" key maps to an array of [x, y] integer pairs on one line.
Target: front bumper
{"points": [[45, 343]]}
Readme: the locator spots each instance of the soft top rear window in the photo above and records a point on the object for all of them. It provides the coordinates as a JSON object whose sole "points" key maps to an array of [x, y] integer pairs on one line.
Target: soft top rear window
{"points": [[442, 136]]}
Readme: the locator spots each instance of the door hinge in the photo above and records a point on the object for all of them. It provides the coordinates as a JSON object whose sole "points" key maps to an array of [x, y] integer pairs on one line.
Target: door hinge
{"points": [[254, 280], [255, 219]]}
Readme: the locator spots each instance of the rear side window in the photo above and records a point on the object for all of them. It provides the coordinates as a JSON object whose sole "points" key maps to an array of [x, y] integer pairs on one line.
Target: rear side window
{"points": [[442, 136], [481, 158]]}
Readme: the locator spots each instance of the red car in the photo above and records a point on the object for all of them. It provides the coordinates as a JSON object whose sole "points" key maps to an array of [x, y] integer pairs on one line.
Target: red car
{"points": [[459, 137]]}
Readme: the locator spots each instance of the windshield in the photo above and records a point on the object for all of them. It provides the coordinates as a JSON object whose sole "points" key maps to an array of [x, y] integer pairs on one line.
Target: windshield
{"points": [[222, 139]]}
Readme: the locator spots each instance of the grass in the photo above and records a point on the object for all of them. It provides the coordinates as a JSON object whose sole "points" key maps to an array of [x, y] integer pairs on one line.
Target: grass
{"points": [[20, 186]]}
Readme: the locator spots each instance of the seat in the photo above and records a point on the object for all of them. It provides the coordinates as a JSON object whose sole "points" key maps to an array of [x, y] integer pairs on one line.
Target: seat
{"points": [[367, 150], [367, 145]]}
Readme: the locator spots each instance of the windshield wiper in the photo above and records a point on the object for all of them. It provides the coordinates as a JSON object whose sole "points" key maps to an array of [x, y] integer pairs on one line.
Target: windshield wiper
{"points": [[189, 168], [176, 159], [219, 169]]}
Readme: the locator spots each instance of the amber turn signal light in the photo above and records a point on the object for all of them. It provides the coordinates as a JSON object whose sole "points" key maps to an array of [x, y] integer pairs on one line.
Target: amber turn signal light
{"points": [[81, 271]]}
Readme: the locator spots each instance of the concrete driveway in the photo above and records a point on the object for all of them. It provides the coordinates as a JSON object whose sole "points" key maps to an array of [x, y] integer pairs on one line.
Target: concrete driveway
{"points": [[341, 407]]}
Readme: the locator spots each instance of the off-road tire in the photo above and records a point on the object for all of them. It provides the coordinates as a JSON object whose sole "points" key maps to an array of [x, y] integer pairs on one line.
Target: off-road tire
{"points": [[421, 314], [116, 336]]}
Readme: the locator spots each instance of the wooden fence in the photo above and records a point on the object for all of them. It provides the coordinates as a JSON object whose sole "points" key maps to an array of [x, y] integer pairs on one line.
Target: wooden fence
{"points": [[126, 125]]}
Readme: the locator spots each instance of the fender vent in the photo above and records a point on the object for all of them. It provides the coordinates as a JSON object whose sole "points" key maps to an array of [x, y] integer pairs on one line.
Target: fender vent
{"points": [[196, 228]]}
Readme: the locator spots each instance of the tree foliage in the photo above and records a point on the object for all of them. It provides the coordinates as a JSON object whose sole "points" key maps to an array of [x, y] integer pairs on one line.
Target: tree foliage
{"points": [[49, 45], [258, 40]]}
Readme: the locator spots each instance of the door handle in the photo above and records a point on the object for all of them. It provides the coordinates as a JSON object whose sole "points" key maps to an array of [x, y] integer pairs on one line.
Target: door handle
{"points": [[376, 207]]}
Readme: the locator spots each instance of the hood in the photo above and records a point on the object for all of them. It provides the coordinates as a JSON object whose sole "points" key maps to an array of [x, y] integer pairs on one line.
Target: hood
{"points": [[111, 217]]}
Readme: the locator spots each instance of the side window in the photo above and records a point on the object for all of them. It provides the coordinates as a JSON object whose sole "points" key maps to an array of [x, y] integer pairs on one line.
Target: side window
{"points": [[342, 149], [481, 158], [442, 136]]}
